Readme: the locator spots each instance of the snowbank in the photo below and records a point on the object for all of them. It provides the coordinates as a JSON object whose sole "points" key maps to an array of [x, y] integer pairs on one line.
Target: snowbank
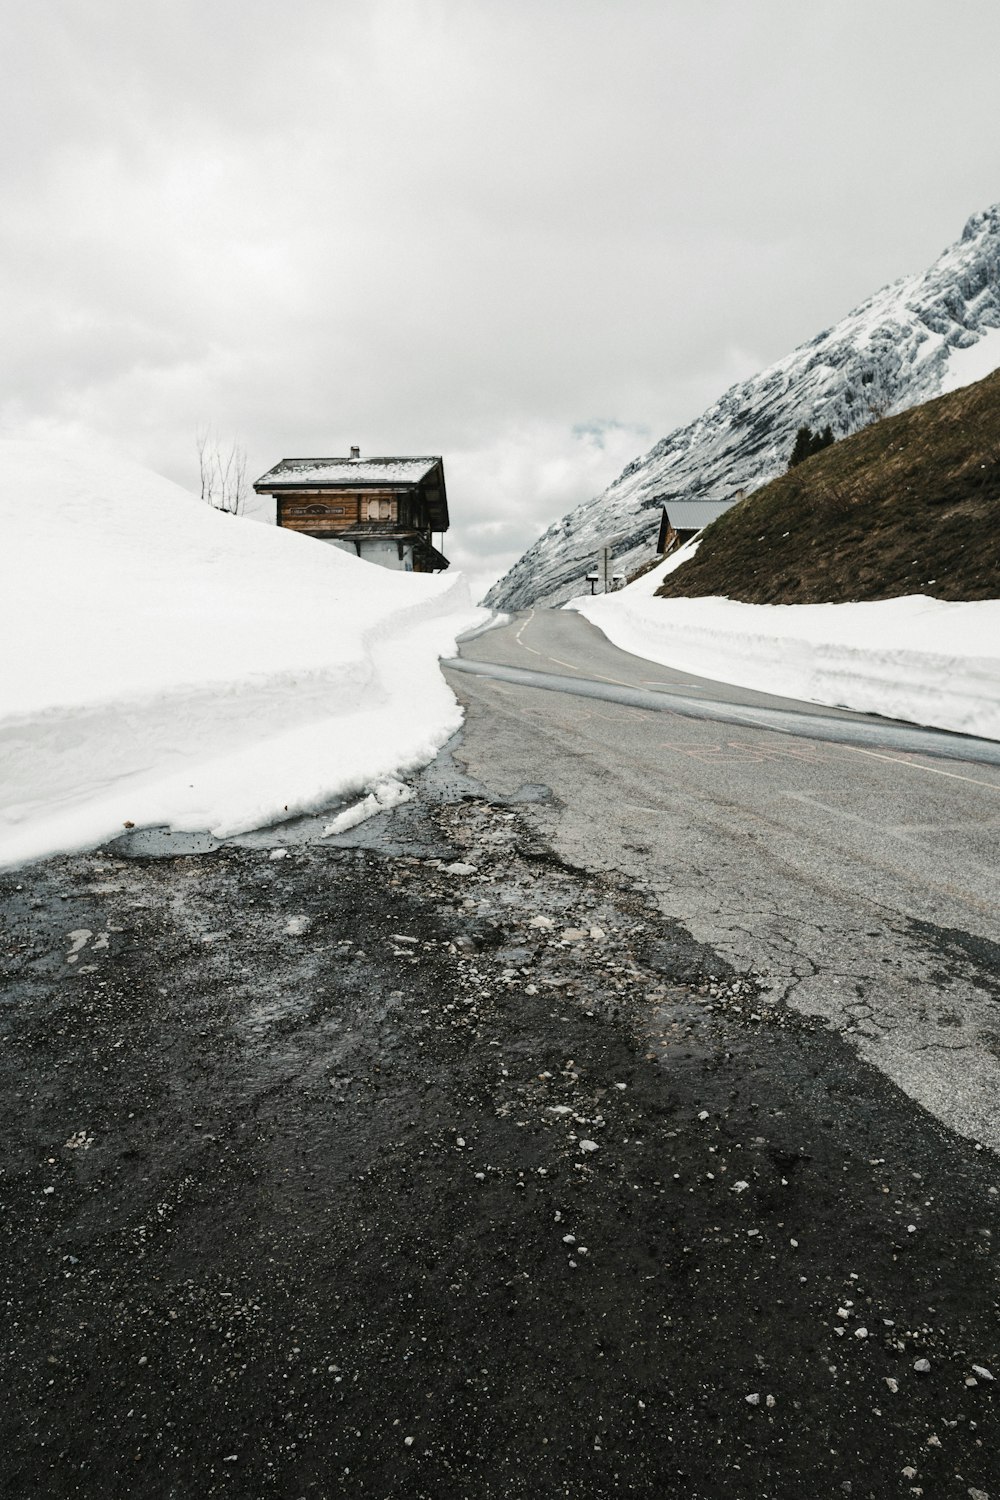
{"points": [[915, 658], [166, 664]]}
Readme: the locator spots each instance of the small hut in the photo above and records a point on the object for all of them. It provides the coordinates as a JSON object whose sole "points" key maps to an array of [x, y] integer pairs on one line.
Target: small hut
{"points": [[683, 519]]}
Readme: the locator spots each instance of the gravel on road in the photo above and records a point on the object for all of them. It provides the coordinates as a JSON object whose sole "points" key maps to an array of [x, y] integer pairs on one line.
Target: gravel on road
{"points": [[445, 1169]]}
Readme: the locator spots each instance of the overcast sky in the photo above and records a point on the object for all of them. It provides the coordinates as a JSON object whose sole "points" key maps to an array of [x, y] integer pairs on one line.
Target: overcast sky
{"points": [[530, 235]]}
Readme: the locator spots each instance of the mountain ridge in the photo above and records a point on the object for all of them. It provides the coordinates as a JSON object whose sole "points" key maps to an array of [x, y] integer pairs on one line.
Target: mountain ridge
{"points": [[908, 505], [918, 337]]}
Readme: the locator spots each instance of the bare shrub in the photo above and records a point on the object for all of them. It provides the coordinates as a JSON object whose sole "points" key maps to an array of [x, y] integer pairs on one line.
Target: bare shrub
{"points": [[223, 472]]}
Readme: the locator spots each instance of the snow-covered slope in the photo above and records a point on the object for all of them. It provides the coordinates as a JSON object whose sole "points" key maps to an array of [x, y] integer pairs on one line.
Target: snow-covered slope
{"points": [[167, 664], [919, 338]]}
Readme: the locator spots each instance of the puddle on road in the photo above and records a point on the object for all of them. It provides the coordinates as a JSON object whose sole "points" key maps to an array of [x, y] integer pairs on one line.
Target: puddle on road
{"points": [[162, 843], [677, 1030]]}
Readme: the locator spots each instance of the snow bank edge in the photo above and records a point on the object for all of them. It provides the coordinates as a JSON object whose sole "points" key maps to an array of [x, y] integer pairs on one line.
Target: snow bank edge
{"points": [[236, 760], [917, 659]]}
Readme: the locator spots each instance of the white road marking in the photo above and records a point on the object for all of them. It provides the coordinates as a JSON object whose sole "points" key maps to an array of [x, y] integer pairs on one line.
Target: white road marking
{"points": [[916, 766], [597, 676], [615, 681]]}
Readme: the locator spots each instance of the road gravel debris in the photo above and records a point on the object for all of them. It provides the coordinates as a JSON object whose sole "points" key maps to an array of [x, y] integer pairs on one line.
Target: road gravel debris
{"points": [[445, 1169]]}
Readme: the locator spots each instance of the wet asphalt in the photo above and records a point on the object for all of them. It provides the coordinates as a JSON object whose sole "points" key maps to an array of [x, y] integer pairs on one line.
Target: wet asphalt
{"points": [[425, 1163]]}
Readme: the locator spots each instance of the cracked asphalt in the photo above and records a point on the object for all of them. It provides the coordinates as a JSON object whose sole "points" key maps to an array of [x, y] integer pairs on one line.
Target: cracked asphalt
{"points": [[862, 884], [523, 1142]]}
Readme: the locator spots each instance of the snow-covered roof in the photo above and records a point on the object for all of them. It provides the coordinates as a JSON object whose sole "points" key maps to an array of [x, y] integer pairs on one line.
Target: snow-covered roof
{"points": [[692, 515], [293, 472]]}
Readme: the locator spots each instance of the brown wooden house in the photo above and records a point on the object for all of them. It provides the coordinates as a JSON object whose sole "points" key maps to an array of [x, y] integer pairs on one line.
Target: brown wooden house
{"points": [[385, 510], [685, 518]]}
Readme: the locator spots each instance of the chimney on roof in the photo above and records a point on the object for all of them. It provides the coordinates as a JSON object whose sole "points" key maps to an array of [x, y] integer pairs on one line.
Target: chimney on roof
{"points": [[355, 452]]}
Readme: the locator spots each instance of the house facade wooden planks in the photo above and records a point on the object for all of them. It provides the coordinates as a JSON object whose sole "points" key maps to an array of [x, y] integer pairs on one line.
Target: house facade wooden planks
{"points": [[385, 510]]}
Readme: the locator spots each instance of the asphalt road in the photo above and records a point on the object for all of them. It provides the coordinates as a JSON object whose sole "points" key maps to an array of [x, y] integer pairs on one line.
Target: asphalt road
{"points": [[521, 1143], [860, 880]]}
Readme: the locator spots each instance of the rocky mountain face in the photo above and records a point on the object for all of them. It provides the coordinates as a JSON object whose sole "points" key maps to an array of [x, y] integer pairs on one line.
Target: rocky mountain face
{"points": [[920, 337]]}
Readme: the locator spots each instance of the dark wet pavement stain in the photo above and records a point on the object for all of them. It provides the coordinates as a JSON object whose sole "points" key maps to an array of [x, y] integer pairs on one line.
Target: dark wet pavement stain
{"points": [[421, 1164]]}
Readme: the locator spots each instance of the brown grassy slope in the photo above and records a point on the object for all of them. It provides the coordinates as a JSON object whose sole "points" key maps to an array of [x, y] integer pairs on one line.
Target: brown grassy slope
{"points": [[911, 505]]}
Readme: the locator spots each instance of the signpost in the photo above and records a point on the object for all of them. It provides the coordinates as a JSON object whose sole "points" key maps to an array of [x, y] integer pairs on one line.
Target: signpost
{"points": [[602, 578]]}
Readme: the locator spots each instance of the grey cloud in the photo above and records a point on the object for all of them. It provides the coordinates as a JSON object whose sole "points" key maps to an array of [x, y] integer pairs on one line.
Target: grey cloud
{"points": [[436, 226]]}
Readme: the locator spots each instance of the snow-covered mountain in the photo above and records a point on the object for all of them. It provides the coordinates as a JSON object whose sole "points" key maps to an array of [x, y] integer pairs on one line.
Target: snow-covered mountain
{"points": [[920, 337]]}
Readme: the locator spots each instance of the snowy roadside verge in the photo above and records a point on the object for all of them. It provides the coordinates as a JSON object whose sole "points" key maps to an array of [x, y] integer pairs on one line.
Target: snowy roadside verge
{"points": [[919, 659], [182, 668]]}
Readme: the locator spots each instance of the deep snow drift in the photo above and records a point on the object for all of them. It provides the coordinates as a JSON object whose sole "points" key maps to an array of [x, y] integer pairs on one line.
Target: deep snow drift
{"points": [[919, 659], [166, 664], [920, 337]]}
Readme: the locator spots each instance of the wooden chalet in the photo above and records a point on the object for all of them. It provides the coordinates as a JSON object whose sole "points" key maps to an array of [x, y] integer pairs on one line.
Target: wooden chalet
{"points": [[385, 510], [685, 518]]}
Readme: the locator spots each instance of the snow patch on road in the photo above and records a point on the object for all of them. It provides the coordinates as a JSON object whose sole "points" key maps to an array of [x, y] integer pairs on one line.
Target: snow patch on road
{"points": [[387, 794], [170, 665]]}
